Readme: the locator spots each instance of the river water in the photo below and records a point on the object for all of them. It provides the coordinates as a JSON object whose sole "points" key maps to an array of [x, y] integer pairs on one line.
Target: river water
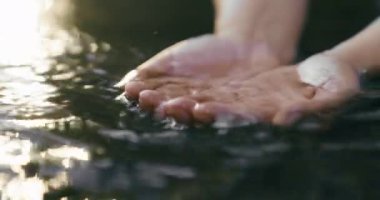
{"points": [[63, 135]]}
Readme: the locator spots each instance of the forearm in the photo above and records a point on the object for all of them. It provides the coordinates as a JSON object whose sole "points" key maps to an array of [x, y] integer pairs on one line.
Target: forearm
{"points": [[274, 23], [363, 50]]}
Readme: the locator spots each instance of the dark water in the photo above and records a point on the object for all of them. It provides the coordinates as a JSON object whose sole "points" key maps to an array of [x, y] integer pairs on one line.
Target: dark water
{"points": [[63, 136]]}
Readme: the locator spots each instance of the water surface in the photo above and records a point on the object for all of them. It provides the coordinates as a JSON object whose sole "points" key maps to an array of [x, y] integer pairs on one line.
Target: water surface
{"points": [[63, 136]]}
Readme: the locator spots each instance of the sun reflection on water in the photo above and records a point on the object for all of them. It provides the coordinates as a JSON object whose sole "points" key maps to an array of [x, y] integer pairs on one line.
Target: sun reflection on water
{"points": [[24, 93], [20, 174], [28, 33], [19, 25], [32, 34]]}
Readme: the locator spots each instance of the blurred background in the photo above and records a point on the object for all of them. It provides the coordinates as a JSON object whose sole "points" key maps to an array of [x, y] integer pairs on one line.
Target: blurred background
{"points": [[63, 135]]}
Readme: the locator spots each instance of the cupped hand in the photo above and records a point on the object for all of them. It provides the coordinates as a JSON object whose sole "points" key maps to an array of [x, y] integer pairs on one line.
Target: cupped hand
{"points": [[209, 79], [284, 95], [279, 96], [204, 58]]}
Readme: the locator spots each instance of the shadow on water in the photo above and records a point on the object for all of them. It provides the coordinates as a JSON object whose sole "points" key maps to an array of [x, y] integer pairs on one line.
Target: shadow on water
{"points": [[64, 136]]}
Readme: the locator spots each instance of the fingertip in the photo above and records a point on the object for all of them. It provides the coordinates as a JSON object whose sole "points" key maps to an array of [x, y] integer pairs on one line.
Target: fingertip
{"points": [[209, 112], [203, 113], [179, 109], [288, 115], [286, 118], [127, 78], [179, 115], [157, 66], [133, 89], [150, 99]]}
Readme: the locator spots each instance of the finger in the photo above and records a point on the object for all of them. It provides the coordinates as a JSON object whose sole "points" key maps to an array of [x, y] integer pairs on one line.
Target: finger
{"points": [[127, 78], [159, 65], [167, 61], [287, 116], [190, 58], [179, 109], [133, 89], [221, 114], [207, 112], [150, 99]]}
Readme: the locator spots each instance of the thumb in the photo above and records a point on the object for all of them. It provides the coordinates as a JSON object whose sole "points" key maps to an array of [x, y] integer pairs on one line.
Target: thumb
{"points": [[196, 56], [158, 65]]}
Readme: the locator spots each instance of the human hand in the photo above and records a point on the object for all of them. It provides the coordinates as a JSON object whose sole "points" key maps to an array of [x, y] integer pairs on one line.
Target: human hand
{"points": [[204, 57], [280, 96], [206, 78], [191, 65], [284, 95], [335, 82]]}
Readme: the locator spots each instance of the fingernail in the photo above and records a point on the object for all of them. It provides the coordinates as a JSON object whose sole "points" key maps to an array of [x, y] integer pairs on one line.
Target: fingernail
{"points": [[128, 77]]}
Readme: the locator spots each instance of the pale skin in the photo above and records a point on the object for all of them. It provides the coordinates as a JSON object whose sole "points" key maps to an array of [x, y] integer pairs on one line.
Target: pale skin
{"points": [[244, 69]]}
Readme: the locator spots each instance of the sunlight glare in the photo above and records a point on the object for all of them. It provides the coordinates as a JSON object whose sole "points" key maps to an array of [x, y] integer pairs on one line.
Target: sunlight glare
{"points": [[68, 152], [14, 152], [19, 26], [19, 188], [26, 31]]}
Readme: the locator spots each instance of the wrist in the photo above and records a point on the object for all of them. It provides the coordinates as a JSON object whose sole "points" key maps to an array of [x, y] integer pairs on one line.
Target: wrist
{"points": [[236, 18], [261, 48], [276, 25]]}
